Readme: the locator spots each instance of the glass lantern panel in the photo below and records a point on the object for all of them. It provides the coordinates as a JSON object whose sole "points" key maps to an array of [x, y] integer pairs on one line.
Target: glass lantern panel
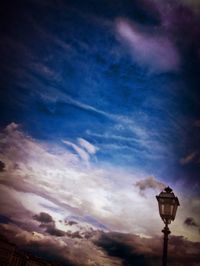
{"points": [[174, 211], [162, 209], [167, 209]]}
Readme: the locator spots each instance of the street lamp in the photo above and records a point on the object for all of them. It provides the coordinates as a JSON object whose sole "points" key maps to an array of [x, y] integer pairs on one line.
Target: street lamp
{"points": [[168, 204]]}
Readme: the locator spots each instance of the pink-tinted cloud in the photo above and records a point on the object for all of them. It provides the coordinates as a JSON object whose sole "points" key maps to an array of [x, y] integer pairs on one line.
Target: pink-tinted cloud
{"points": [[155, 52], [189, 158], [91, 149]]}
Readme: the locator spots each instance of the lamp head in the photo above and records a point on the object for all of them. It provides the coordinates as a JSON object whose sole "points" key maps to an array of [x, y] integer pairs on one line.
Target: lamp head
{"points": [[168, 204]]}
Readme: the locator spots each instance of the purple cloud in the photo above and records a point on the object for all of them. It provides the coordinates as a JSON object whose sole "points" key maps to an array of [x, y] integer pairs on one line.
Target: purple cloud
{"points": [[2, 166], [43, 217], [156, 52], [189, 221], [189, 158]]}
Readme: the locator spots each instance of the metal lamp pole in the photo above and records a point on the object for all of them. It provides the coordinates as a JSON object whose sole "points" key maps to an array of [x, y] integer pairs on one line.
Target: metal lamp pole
{"points": [[166, 232]]}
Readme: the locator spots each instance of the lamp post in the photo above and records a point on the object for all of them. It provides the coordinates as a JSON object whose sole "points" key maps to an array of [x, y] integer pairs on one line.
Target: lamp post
{"points": [[168, 204]]}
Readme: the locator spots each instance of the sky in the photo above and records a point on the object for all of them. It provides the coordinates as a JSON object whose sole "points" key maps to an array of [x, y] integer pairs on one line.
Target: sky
{"points": [[99, 108]]}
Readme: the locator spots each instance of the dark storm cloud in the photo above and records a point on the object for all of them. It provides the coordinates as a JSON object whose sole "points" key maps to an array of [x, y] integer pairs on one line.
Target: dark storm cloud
{"points": [[132, 249], [45, 247], [52, 230], [48, 223], [4, 219], [43, 217], [73, 251], [75, 235], [2, 166], [116, 247], [189, 221]]}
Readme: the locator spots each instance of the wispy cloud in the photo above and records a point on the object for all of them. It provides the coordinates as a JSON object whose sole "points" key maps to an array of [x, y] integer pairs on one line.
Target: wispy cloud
{"points": [[191, 157], [84, 149], [90, 148], [81, 152], [140, 133], [157, 53]]}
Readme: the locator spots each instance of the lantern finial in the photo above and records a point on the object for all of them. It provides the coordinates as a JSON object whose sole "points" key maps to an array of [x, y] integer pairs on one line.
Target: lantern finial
{"points": [[168, 189]]}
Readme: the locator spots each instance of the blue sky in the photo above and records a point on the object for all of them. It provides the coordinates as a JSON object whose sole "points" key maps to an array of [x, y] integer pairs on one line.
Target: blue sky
{"points": [[109, 90]]}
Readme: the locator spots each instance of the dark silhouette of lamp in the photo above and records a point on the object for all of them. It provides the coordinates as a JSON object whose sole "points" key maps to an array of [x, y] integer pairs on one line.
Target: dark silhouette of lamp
{"points": [[168, 204]]}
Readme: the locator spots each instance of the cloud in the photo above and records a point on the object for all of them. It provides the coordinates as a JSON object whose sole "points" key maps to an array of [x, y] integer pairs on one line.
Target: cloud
{"points": [[70, 251], [81, 152], [111, 248], [74, 235], [134, 250], [2, 166], [70, 222], [12, 127], [52, 230], [156, 52], [34, 242], [189, 158], [91, 149], [51, 179], [53, 176], [48, 223], [117, 247], [84, 150], [149, 183], [140, 137], [189, 221], [43, 217], [4, 219]]}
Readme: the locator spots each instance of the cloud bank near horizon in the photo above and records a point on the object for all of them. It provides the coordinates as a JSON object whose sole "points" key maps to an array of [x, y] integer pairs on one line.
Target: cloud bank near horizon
{"points": [[40, 177]]}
